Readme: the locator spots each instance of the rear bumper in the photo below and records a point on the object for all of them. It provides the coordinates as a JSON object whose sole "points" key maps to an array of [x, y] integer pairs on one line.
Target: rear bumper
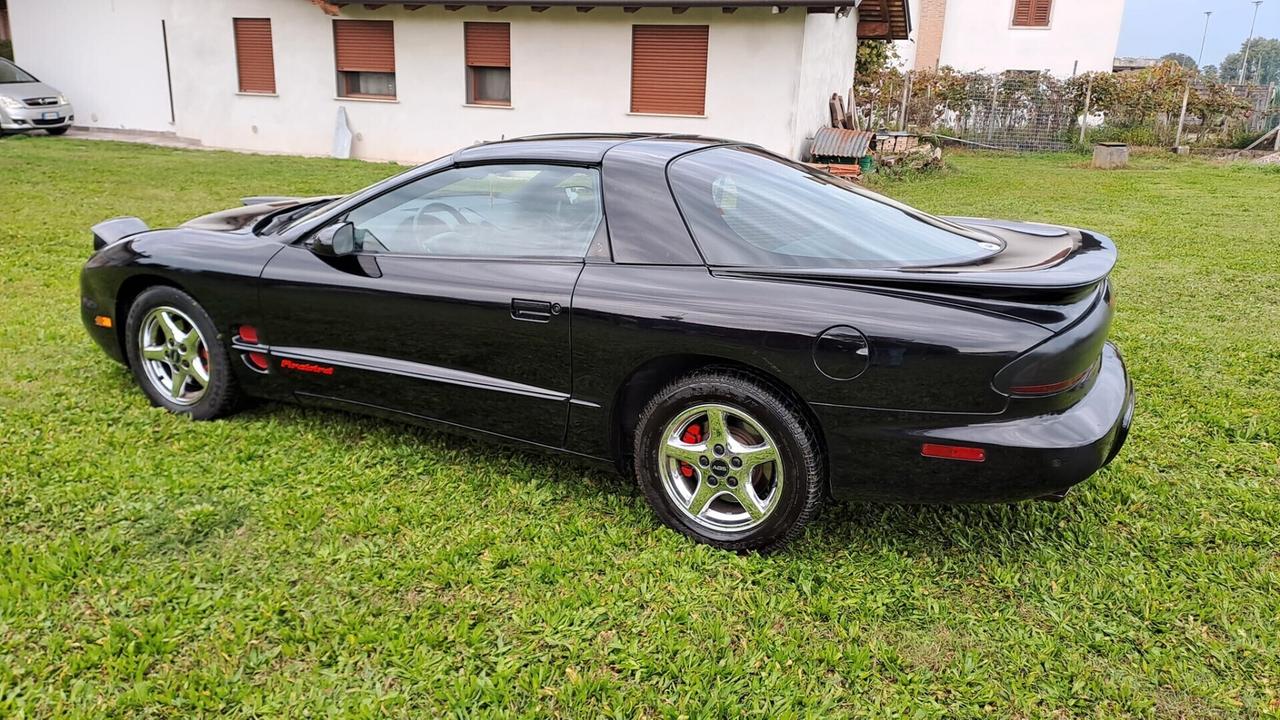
{"points": [[1027, 457]]}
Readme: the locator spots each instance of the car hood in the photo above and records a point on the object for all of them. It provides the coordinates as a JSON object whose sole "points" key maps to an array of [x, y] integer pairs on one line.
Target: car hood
{"points": [[242, 219], [22, 91]]}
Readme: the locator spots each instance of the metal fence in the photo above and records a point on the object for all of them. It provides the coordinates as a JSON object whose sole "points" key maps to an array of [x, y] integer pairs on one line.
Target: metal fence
{"points": [[1011, 111], [1027, 111]]}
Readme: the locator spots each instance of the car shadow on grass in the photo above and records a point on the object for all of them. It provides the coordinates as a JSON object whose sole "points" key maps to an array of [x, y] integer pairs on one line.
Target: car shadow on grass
{"points": [[841, 529]]}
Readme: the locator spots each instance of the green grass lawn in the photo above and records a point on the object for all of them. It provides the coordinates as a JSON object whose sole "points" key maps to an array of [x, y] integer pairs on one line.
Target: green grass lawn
{"points": [[292, 562]]}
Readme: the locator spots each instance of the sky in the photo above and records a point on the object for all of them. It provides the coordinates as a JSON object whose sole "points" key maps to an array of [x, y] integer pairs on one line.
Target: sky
{"points": [[1152, 28]]}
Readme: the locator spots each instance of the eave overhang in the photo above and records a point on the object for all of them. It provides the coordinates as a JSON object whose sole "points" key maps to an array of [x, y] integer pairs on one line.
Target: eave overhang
{"points": [[877, 19]]}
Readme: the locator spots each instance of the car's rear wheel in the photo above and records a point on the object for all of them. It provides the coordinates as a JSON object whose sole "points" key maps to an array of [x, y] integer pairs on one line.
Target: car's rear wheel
{"points": [[177, 357], [729, 461]]}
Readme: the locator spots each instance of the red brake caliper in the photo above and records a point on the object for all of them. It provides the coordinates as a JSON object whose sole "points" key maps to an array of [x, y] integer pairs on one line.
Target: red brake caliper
{"points": [[692, 436]]}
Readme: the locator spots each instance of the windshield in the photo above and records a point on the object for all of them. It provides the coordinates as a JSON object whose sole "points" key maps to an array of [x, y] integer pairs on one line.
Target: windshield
{"points": [[318, 210], [748, 208], [10, 73]]}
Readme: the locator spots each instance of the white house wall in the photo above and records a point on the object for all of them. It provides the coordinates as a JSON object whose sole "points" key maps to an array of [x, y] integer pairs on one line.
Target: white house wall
{"points": [[828, 58], [979, 35], [570, 71], [107, 56]]}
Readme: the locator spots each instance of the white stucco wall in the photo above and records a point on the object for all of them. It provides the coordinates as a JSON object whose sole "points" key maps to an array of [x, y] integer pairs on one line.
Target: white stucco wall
{"points": [[979, 35], [828, 57], [107, 56], [570, 71]]}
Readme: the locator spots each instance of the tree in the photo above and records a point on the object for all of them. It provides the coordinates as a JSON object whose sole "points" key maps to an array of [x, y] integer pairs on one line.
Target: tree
{"points": [[1182, 59], [874, 56], [1264, 63]]}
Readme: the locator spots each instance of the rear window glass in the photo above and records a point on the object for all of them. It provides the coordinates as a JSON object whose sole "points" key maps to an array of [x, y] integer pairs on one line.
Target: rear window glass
{"points": [[748, 208]]}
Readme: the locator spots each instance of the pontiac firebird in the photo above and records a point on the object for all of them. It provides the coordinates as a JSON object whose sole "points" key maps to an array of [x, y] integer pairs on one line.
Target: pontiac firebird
{"points": [[747, 336]]}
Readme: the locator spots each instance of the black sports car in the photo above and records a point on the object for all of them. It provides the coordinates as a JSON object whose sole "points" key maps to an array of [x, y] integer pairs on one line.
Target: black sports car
{"points": [[745, 334]]}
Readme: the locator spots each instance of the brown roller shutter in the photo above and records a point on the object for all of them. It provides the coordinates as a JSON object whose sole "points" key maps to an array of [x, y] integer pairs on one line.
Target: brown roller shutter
{"points": [[255, 60], [1032, 13], [364, 45], [669, 69], [488, 44]]}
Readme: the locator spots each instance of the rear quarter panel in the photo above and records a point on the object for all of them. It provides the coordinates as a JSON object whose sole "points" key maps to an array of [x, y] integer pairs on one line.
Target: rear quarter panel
{"points": [[926, 355]]}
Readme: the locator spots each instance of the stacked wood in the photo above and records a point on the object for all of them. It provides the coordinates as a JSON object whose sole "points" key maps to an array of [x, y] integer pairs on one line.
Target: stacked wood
{"points": [[844, 170]]}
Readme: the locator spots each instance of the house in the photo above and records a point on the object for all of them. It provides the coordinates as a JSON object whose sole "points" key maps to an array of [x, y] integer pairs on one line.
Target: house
{"points": [[1064, 37], [420, 78]]}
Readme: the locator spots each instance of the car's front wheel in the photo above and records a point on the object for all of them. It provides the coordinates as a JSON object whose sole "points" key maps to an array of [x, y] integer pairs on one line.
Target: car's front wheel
{"points": [[177, 357], [729, 461]]}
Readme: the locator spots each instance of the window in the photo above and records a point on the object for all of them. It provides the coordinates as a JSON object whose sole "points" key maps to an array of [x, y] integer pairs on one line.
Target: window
{"points": [[748, 208], [488, 63], [669, 69], [1032, 13], [486, 211], [10, 73], [366, 58], [254, 58]]}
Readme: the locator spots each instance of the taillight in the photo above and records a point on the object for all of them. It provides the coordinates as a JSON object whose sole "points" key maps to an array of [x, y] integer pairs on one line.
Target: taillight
{"points": [[1063, 361], [1049, 388]]}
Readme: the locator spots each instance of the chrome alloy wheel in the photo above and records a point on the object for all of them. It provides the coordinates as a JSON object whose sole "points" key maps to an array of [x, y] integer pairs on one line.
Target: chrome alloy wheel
{"points": [[174, 356], [720, 467]]}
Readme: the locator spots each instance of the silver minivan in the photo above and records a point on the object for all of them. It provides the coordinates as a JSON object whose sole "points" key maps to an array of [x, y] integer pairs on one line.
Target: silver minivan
{"points": [[27, 104]]}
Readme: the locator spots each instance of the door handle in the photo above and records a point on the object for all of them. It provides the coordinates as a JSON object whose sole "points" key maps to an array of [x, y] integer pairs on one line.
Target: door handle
{"points": [[533, 310]]}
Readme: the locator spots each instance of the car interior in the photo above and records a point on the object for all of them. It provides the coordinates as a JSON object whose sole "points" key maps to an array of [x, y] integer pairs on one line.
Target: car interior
{"points": [[486, 211]]}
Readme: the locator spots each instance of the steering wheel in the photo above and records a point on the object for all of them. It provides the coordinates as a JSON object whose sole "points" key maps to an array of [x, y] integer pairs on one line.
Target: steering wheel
{"points": [[427, 227], [424, 213]]}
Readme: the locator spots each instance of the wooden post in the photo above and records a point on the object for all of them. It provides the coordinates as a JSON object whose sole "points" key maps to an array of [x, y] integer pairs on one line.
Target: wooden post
{"points": [[1264, 135], [906, 93], [991, 116], [1088, 99], [1182, 117]]}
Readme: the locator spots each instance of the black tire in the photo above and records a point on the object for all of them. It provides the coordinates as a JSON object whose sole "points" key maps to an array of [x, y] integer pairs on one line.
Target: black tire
{"points": [[798, 450], [58, 131], [221, 396]]}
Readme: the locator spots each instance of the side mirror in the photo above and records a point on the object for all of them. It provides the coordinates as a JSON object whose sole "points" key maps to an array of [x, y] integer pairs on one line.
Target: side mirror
{"points": [[334, 240]]}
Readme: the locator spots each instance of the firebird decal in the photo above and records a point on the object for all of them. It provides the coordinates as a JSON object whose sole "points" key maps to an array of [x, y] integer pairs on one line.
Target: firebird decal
{"points": [[287, 364]]}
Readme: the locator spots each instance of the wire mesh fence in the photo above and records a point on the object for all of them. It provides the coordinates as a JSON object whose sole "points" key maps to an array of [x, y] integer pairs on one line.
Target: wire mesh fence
{"points": [[1011, 111], [1033, 111]]}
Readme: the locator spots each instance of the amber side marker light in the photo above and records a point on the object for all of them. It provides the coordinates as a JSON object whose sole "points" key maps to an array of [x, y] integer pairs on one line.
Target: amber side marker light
{"points": [[102, 321], [953, 452]]}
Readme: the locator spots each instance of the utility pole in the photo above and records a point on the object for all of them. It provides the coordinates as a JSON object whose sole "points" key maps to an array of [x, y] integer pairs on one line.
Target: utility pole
{"points": [[1205, 36], [1245, 62], [1186, 92]]}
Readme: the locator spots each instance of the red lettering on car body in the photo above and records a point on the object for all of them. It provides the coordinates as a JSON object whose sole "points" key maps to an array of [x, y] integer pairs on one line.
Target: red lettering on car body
{"points": [[287, 364]]}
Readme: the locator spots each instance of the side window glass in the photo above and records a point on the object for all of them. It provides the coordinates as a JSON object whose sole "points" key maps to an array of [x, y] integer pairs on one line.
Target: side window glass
{"points": [[486, 211]]}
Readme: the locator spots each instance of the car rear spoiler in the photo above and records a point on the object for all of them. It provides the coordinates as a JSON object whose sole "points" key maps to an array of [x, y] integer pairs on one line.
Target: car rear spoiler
{"points": [[264, 199], [116, 229]]}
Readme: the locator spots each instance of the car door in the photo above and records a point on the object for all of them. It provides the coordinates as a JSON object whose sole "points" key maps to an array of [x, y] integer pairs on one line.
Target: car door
{"points": [[454, 305]]}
